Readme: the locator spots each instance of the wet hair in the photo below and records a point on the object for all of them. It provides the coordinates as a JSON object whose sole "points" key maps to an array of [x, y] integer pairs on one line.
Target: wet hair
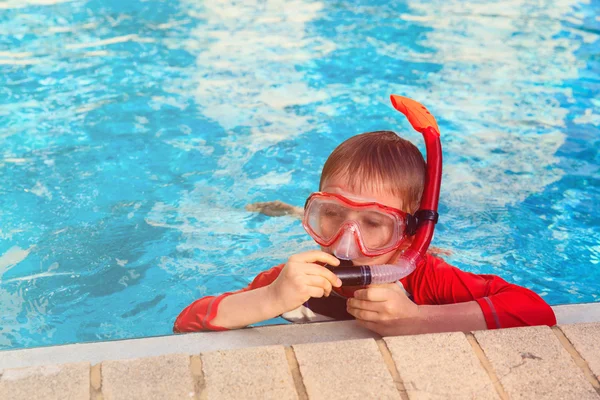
{"points": [[379, 161]]}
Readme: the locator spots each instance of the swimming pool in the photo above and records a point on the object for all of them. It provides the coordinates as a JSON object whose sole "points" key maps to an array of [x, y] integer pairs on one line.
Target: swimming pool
{"points": [[133, 133]]}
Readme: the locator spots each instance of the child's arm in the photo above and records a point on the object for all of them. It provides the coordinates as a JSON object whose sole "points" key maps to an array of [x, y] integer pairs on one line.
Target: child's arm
{"points": [[201, 314], [276, 209], [246, 308], [452, 295], [387, 310], [449, 300], [272, 293], [460, 317]]}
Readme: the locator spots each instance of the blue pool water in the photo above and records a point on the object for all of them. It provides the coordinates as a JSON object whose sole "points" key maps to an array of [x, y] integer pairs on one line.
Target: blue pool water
{"points": [[132, 134]]}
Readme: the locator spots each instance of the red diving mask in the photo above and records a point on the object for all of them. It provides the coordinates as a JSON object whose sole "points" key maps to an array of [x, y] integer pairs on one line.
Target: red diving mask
{"points": [[349, 228]]}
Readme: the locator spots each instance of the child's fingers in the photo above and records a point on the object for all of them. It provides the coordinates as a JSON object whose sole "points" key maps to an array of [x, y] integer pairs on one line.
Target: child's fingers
{"points": [[315, 256], [363, 315], [318, 270], [373, 294], [314, 291], [319, 282], [375, 306]]}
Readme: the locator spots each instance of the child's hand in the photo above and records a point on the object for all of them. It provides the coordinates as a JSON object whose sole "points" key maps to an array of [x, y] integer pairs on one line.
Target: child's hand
{"points": [[301, 278], [276, 209], [385, 309]]}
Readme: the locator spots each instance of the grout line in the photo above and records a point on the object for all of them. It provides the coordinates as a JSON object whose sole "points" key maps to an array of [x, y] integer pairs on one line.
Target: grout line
{"points": [[198, 377], [296, 374], [96, 382], [391, 366], [579, 360], [487, 366]]}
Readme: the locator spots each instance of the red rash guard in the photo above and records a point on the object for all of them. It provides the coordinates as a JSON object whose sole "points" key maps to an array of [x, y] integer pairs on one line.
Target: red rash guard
{"points": [[434, 282]]}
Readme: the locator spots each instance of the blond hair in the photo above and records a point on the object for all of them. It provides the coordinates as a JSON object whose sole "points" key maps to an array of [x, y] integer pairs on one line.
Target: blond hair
{"points": [[379, 161]]}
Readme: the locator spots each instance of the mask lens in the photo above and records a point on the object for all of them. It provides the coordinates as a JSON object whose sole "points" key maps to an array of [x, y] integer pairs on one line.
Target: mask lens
{"points": [[331, 217], [376, 229], [325, 217]]}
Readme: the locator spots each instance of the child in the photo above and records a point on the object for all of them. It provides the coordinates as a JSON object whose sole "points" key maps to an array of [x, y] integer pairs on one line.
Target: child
{"points": [[371, 188]]}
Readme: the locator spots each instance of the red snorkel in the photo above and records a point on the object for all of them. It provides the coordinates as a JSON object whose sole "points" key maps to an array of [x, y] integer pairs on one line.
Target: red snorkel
{"points": [[422, 121]]}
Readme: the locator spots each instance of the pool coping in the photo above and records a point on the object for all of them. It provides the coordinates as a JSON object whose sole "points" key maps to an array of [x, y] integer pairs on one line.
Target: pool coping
{"points": [[202, 342], [561, 362]]}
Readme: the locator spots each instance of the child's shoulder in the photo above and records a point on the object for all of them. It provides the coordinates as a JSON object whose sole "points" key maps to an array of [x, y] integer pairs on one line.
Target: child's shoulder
{"points": [[435, 261], [438, 268], [435, 265]]}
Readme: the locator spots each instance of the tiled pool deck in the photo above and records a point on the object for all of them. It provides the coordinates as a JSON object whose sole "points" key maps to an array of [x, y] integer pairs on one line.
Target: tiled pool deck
{"points": [[331, 360]]}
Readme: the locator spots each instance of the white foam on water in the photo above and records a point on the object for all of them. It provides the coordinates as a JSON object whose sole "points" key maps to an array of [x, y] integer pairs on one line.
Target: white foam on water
{"points": [[12, 257], [509, 82]]}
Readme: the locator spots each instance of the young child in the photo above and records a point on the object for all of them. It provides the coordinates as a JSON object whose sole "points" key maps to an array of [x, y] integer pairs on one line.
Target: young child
{"points": [[371, 187]]}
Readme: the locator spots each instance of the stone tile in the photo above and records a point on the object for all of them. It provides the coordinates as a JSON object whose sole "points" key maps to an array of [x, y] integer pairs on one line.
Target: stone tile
{"points": [[586, 340], [202, 342], [164, 377], [577, 313], [190, 343], [440, 365], [352, 369], [67, 381], [252, 373], [532, 364]]}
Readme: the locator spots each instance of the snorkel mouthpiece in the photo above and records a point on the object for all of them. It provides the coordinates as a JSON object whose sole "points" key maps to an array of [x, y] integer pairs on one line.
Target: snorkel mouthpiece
{"points": [[364, 275]]}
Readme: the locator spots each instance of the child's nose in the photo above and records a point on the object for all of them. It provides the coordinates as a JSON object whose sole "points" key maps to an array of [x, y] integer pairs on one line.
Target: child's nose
{"points": [[352, 216]]}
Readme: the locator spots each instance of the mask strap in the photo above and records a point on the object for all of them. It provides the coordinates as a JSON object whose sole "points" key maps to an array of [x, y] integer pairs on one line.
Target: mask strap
{"points": [[413, 221]]}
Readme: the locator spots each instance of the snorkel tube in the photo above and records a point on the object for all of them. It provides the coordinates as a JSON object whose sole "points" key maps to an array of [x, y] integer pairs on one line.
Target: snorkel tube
{"points": [[422, 121]]}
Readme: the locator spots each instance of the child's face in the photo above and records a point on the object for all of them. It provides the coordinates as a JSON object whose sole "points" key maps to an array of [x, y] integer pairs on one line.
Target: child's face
{"points": [[340, 186]]}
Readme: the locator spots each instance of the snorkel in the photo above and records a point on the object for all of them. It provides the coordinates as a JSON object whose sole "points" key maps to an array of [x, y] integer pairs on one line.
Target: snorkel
{"points": [[427, 216]]}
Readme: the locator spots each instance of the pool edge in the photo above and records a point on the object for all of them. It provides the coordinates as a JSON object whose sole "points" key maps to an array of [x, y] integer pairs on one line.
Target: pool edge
{"points": [[202, 342]]}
